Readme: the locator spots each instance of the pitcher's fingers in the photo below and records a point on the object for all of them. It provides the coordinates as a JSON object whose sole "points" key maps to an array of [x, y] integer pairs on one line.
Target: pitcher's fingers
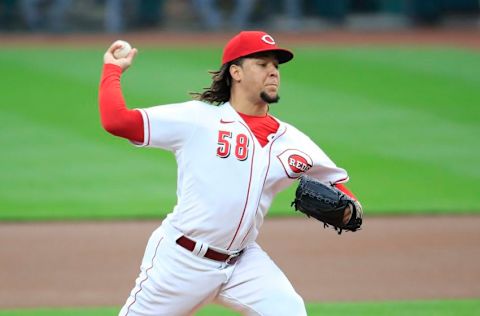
{"points": [[114, 46], [131, 55]]}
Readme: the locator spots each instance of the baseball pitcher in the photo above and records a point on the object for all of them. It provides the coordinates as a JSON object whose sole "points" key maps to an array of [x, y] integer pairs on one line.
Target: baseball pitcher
{"points": [[233, 157]]}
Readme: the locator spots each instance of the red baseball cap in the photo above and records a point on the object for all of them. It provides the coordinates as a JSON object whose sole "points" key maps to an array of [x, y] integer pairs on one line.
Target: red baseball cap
{"points": [[249, 42]]}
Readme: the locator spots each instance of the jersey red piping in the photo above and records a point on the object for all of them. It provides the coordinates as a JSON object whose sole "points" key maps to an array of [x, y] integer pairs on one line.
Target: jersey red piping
{"points": [[340, 181], [146, 278], [248, 190], [148, 128], [264, 180]]}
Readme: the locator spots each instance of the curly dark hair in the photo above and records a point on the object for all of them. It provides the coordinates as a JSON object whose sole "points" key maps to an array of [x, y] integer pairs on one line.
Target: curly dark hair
{"points": [[219, 91]]}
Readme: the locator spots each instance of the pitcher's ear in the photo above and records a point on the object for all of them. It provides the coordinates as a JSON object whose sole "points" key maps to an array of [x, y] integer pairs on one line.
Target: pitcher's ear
{"points": [[235, 72]]}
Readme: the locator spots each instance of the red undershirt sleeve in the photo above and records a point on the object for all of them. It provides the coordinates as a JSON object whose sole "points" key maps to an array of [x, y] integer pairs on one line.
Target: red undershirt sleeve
{"points": [[344, 189], [116, 118]]}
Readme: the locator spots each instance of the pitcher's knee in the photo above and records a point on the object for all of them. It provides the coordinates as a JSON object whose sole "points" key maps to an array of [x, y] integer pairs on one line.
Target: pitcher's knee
{"points": [[285, 304], [295, 306]]}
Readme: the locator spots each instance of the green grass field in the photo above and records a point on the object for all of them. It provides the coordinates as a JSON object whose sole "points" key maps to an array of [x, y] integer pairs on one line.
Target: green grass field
{"points": [[411, 308], [402, 121]]}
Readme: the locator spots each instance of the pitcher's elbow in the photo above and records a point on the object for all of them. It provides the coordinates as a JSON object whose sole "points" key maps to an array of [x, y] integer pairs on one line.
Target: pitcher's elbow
{"points": [[111, 127]]}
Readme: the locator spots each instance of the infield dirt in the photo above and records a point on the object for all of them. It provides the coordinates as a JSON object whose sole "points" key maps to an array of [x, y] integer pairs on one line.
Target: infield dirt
{"points": [[398, 258]]}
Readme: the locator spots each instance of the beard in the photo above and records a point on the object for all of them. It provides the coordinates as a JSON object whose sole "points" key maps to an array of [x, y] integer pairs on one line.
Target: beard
{"points": [[265, 97]]}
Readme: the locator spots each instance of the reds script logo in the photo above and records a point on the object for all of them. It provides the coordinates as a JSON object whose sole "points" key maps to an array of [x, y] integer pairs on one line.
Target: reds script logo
{"points": [[295, 162]]}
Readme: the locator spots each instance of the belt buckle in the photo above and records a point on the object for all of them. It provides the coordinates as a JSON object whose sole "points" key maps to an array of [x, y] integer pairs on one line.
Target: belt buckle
{"points": [[233, 258]]}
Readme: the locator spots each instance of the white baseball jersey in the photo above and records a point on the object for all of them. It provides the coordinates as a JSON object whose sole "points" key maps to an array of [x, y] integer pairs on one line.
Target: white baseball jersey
{"points": [[226, 179]]}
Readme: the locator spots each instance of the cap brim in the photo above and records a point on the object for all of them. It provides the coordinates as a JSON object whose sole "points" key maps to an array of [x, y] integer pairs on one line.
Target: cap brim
{"points": [[283, 55]]}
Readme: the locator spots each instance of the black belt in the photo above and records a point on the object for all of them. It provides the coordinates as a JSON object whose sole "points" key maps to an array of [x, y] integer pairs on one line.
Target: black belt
{"points": [[189, 244]]}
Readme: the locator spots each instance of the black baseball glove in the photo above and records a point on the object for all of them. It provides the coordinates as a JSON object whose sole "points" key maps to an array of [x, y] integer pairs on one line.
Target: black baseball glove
{"points": [[327, 204]]}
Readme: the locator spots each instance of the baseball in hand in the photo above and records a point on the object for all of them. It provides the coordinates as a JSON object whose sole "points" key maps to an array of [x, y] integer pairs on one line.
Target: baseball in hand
{"points": [[122, 51]]}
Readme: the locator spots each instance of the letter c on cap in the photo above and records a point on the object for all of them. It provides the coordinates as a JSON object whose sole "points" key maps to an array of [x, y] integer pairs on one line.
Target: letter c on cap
{"points": [[268, 39]]}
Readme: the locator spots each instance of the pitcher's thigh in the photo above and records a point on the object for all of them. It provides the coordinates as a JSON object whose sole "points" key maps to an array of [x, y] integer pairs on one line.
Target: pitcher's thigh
{"points": [[258, 287], [172, 281]]}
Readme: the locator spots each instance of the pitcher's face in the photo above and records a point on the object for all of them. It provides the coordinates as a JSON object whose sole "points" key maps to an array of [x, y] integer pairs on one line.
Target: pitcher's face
{"points": [[259, 78]]}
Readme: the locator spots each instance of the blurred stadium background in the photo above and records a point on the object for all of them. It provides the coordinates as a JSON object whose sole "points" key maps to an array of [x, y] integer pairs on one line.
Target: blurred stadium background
{"points": [[70, 16]]}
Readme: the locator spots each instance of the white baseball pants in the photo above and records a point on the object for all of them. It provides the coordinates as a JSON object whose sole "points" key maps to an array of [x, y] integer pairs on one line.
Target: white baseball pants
{"points": [[174, 281]]}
